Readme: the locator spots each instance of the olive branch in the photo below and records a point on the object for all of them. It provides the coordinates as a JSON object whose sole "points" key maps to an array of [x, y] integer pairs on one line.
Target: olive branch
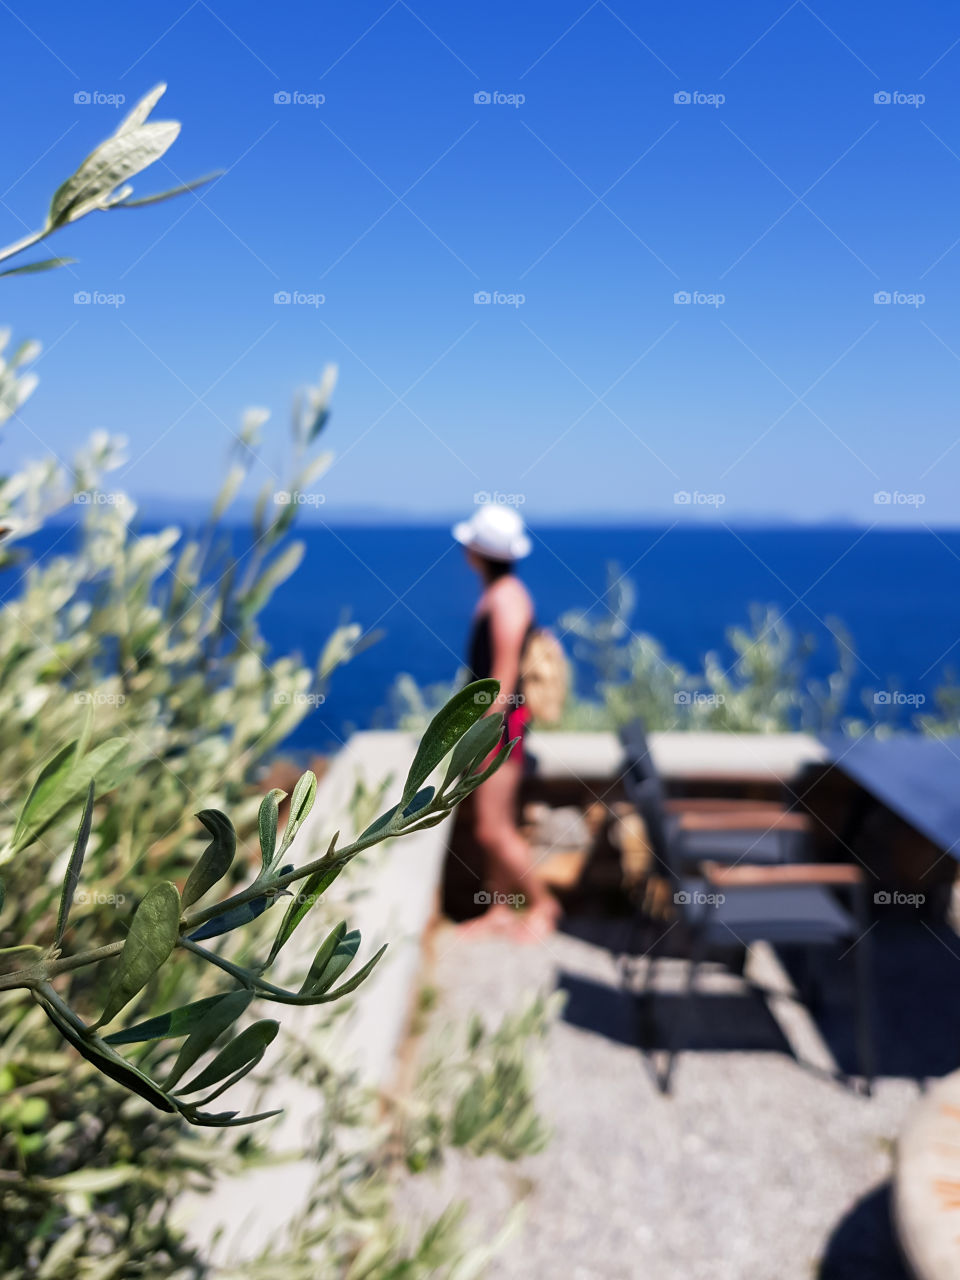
{"points": [[164, 920]]}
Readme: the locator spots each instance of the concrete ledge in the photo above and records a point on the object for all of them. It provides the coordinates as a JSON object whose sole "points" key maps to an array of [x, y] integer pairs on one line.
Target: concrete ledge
{"points": [[390, 895], [770, 757]]}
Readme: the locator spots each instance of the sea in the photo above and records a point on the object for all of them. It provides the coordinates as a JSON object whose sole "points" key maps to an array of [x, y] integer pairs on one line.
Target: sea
{"points": [[894, 593]]}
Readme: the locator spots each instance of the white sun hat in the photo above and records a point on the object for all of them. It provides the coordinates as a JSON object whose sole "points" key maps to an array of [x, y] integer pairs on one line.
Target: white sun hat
{"points": [[495, 531]]}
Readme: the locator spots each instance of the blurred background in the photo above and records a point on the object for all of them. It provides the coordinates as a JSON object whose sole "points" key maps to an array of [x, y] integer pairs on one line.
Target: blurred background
{"points": [[675, 286]]}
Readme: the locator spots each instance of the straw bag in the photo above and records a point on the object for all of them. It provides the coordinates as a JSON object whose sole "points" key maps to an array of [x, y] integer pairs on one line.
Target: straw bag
{"points": [[544, 676]]}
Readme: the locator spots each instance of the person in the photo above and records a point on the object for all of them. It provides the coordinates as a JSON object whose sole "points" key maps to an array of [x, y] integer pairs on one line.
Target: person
{"points": [[494, 539]]}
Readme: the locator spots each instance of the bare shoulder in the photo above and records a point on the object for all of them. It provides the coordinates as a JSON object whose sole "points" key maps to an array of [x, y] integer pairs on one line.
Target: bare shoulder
{"points": [[509, 597]]}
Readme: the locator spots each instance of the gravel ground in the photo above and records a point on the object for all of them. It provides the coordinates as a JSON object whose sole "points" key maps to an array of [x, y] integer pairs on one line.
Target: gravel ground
{"points": [[757, 1168]]}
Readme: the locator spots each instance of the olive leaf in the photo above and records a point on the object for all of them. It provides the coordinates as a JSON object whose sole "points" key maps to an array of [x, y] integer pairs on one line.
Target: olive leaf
{"points": [[215, 1021], [31, 268], [446, 729], [60, 783], [419, 801], [301, 802], [153, 935], [267, 819], [235, 917], [473, 781], [215, 860], [323, 957], [183, 189], [179, 1022], [303, 900], [353, 982], [242, 1054], [72, 874], [380, 824], [102, 1057], [132, 147], [108, 166], [224, 1119], [275, 574], [475, 745]]}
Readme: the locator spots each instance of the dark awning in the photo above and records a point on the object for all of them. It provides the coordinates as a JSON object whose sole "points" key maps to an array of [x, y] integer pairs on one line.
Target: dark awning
{"points": [[918, 778]]}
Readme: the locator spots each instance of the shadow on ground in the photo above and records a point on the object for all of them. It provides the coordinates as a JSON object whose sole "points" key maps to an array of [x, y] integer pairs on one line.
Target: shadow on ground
{"points": [[915, 1004], [863, 1246]]}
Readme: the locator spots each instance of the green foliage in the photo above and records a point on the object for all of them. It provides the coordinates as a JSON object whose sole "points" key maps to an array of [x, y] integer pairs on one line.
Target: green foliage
{"points": [[763, 689], [141, 655], [479, 1095], [357, 1223], [160, 923]]}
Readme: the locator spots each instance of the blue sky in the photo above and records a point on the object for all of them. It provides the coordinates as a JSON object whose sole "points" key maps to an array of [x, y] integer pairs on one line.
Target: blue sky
{"points": [[598, 198]]}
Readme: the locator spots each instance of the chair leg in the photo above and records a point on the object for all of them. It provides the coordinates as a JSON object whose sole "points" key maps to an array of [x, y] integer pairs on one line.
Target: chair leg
{"points": [[862, 957], [681, 1022]]}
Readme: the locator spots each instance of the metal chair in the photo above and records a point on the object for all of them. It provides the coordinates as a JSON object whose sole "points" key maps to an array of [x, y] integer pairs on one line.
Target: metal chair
{"points": [[722, 830], [728, 907]]}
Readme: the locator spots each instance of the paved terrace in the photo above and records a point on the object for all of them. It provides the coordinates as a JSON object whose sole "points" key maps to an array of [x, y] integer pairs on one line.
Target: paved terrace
{"points": [[759, 1167]]}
